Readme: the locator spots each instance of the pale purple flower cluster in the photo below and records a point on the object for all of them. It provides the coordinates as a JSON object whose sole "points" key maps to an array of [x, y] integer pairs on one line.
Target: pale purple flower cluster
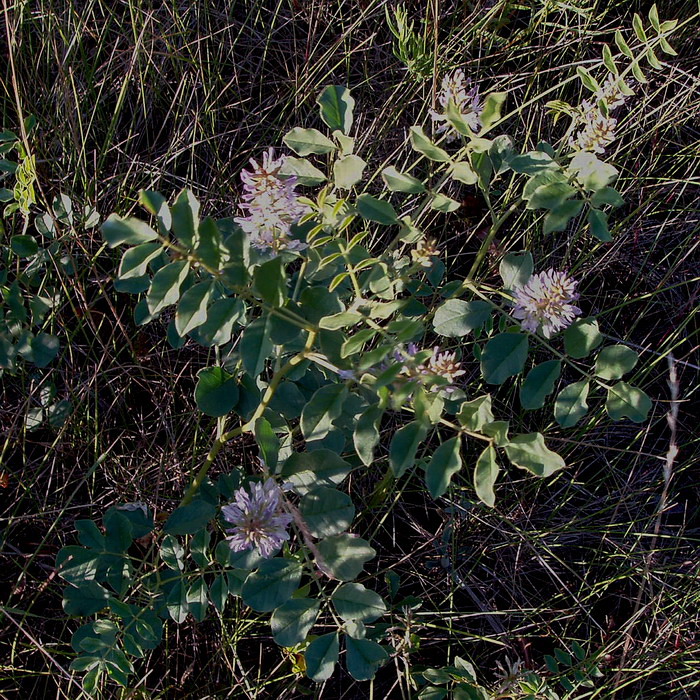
{"points": [[443, 365], [271, 206], [258, 519], [545, 302], [456, 88], [598, 129]]}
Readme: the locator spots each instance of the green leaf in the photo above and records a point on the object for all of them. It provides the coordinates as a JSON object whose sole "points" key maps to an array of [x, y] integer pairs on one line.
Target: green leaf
{"points": [[306, 174], [271, 282], [272, 584], [45, 347], [376, 210], [401, 182], [639, 28], [347, 171], [165, 287], [345, 555], [571, 405], [336, 105], [607, 195], [532, 163], [504, 356], [622, 44], [516, 269], [539, 384], [587, 79], [293, 620], [89, 534], [310, 470], [558, 219], [24, 246], [268, 442], [363, 658], [76, 564], [327, 511], [582, 337], [591, 172], [614, 361], [256, 346], [355, 343], [456, 318], [135, 260], [424, 145], [155, 203], [403, 447], [485, 475], [463, 172], [474, 414], [186, 520], [598, 221], [366, 434], [491, 112], [197, 599], [550, 196], [323, 408], [440, 202], [529, 452], [209, 249], [185, 215], [625, 401], [86, 599], [445, 462], [216, 392], [307, 141], [192, 308], [321, 657], [218, 592], [133, 231], [352, 601], [222, 316], [176, 602]]}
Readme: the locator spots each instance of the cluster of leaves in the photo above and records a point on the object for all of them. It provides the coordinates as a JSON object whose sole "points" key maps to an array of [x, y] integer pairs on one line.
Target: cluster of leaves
{"points": [[313, 351], [411, 48]]}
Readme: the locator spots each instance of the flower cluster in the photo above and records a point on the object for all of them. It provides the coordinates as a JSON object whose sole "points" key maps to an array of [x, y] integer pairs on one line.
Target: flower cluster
{"points": [[258, 519], [271, 206], [598, 128], [426, 249], [442, 366], [455, 88], [545, 302]]}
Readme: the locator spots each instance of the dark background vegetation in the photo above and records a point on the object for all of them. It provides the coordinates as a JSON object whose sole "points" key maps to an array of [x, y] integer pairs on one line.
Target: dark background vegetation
{"points": [[135, 93]]}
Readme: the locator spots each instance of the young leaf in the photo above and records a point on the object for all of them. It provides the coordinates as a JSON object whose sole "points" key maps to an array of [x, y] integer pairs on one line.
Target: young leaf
{"points": [[571, 405], [424, 145], [444, 204], [485, 475], [445, 462], [463, 172], [401, 182], [492, 110], [336, 105], [347, 171]]}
